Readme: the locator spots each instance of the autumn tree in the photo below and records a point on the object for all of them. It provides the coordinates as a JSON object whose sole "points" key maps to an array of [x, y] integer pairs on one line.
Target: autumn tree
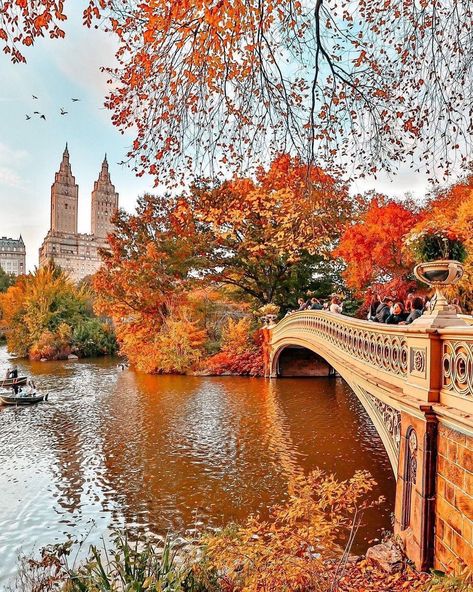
{"points": [[372, 247], [271, 237], [144, 282], [45, 315], [228, 83], [264, 239]]}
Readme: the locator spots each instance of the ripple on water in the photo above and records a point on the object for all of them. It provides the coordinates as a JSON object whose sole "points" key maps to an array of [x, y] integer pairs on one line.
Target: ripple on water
{"points": [[159, 453]]}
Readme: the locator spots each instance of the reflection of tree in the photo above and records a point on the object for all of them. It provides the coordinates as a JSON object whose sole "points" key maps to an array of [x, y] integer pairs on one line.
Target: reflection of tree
{"points": [[68, 429], [278, 435], [149, 451], [68, 469]]}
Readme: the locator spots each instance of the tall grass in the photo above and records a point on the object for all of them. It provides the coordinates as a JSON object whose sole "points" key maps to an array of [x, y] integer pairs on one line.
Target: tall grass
{"points": [[124, 565]]}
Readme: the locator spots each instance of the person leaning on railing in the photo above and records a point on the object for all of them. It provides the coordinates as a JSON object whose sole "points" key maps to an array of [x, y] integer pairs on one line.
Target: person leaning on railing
{"points": [[398, 314], [384, 310], [336, 306], [416, 312]]}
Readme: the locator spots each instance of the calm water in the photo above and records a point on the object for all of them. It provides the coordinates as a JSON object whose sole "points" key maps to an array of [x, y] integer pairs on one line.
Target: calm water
{"points": [[161, 453]]}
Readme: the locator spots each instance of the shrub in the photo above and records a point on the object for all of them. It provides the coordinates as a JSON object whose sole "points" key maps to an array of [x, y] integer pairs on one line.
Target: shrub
{"points": [[123, 566], [441, 582], [241, 352], [433, 243], [92, 337], [302, 547]]}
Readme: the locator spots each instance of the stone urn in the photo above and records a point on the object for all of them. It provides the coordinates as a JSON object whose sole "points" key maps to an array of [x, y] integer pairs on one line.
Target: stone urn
{"points": [[269, 320], [440, 273]]}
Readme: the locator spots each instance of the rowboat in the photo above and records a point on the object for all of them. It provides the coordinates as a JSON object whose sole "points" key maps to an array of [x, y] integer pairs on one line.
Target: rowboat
{"points": [[9, 382], [25, 400]]}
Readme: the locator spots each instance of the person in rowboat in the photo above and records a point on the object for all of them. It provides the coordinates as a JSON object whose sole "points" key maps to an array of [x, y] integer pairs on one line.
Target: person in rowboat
{"points": [[31, 388], [14, 374]]}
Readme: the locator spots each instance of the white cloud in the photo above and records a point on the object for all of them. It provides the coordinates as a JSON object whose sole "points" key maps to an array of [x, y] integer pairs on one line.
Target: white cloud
{"points": [[10, 160], [83, 53], [10, 179], [11, 156]]}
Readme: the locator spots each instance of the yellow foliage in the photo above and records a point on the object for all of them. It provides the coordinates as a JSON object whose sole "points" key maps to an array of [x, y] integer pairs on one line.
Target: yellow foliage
{"points": [[174, 345], [236, 336], [289, 552], [44, 301]]}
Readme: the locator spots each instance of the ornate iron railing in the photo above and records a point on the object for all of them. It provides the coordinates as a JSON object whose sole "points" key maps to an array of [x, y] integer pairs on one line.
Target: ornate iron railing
{"points": [[382, 346]]}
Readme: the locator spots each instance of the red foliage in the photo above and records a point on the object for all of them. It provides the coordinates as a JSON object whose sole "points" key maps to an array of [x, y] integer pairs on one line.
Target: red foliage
{"points": [[244, 364], [372, 248], [246, 360]]}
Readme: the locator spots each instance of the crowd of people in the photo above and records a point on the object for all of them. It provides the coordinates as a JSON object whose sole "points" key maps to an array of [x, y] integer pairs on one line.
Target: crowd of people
{"points": [[394, 311], [389, 310], [332, 304]]}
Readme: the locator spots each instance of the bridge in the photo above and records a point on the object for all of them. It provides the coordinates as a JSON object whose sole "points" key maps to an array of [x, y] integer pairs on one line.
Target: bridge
{"points": [[416, 384]]}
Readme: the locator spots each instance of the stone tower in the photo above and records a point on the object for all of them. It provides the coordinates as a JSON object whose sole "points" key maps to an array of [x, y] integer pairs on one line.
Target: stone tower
{"points": [[104, 203], [64, 198]]}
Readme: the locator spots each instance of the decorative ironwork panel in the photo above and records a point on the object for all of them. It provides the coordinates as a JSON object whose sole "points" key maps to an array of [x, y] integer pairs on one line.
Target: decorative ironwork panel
{"points": [[390, 418], [410, 476], [458, 367], [387, 351]]}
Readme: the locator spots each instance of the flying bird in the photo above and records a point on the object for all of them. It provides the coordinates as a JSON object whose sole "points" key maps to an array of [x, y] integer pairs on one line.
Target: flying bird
{"points": [[63, 112], [34, 97], [43, 117], [36, 113], [27, 117], [75, 100]]}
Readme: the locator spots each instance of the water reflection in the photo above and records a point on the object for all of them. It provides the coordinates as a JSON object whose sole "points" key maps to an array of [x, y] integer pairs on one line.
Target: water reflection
{"points": [[159, 453]]}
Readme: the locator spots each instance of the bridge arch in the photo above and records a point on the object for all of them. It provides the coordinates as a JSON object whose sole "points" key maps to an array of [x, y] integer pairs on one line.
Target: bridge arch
{"points": [[416, 384], [386, 419]]}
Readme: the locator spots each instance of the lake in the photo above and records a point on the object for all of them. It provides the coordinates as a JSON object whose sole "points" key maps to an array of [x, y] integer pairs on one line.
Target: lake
{"points": [[166, 453]]}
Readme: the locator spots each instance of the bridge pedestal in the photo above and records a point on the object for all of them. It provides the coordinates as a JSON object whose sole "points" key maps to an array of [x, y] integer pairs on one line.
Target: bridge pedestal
{"points": [[415, 491]]}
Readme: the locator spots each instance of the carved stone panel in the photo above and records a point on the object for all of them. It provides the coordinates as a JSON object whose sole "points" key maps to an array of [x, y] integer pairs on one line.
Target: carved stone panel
{"points": [[418, 361]]}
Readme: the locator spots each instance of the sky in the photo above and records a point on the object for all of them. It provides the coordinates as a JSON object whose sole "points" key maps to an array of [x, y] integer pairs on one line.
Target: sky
{"points": [[31, 150]]}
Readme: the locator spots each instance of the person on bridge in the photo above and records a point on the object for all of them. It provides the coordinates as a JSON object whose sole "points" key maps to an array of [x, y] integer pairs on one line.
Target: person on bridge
{"points": [[398, 315], [336, 306], [416, 312], [315, 304], [408, 302], [302, 304], [384, 310], [373, 307]]}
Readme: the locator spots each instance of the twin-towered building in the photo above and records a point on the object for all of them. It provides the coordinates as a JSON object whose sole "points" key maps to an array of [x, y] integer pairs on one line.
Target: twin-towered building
{"points": [[77, 253]]}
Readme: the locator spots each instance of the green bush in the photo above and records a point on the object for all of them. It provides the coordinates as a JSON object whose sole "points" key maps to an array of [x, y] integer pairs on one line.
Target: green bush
{"points": [[92, 337], [442, 582]]}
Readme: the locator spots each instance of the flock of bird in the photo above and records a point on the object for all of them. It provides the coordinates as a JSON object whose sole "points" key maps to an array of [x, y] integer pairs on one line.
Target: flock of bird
{"points": [[42, 115]]}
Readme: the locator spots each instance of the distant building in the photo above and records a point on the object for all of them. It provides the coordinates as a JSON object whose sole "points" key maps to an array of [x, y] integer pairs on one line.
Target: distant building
{"points": [[76, 253], [13, 255]]}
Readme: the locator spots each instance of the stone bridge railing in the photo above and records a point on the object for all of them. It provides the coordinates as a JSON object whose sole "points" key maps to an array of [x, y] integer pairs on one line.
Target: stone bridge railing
{"points": [[416, 383]]}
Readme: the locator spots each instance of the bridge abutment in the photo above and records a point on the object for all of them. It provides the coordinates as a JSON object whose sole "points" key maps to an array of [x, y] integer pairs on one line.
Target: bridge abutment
{"points": [[415, 489]]}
